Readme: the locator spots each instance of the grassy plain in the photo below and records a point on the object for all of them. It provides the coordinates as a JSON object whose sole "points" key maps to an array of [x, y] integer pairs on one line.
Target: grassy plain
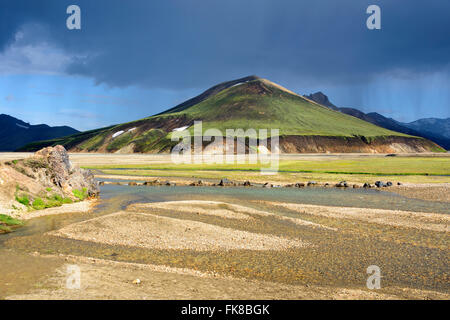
{"points": [[405, 169]]}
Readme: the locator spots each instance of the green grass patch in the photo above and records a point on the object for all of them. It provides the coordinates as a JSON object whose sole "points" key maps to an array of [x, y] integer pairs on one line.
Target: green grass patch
{"points": [[120, 141], [56, 201], [38, 204], [396, 166], [68, 142], [80, 194], [95, 142], [8, 223], [147, 141], [56, 197], [280, 177], [23, 200], [52, 201], [67, 201]]}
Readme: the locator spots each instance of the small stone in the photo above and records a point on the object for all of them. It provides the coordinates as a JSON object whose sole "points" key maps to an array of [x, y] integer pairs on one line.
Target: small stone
{"points": [[137, 281], [289, 185], [342, 184], [380, 184], [225, 182]]}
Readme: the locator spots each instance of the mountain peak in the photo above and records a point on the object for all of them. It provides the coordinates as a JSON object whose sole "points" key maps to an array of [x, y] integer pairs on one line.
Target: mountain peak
{"points": [[321, 98], [250, 78], [211, 92]]}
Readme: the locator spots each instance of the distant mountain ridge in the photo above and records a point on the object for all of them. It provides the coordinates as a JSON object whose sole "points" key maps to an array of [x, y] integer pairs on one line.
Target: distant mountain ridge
{"points": [[15, 133], [436, 130], [432, 125]]}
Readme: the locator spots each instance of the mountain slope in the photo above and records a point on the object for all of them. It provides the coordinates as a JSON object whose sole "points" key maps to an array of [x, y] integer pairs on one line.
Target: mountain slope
{"points": [[15, 133], [251, 102], [436, 130], [260, 104]]}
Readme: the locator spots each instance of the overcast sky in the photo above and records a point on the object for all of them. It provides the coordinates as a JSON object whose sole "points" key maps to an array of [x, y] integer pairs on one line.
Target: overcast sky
{"points": [[132, 59]]}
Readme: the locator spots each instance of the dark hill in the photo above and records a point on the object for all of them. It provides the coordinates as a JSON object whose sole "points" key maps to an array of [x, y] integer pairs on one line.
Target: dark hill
{"points": [[15, 133]]}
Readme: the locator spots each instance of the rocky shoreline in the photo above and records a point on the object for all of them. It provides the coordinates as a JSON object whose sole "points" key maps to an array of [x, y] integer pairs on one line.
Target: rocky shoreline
{"points": [[228, 183], [423, 191]]}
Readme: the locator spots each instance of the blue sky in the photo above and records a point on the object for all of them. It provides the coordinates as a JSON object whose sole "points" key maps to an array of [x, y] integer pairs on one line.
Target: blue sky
{"points": [[133, 59], [80, 102]]}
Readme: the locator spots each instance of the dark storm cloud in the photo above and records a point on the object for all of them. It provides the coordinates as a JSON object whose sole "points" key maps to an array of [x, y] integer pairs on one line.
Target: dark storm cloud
{"points": [[193, 43]]}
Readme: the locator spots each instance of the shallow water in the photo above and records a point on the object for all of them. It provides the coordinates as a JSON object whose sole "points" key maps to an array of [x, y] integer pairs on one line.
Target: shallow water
{"points": [[362, 198], [117, 197], [295, 266]]}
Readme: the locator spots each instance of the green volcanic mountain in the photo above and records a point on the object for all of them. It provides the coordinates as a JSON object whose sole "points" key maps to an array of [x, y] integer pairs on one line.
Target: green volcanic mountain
{"points": [[251, 102]]}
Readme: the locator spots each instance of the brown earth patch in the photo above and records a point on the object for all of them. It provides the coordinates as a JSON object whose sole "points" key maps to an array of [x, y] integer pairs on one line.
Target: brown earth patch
{"points": [[324, 144]]}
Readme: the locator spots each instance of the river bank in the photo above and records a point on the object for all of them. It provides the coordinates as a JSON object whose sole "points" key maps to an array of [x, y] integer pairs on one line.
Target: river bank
{"points": [[424, 191]]}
